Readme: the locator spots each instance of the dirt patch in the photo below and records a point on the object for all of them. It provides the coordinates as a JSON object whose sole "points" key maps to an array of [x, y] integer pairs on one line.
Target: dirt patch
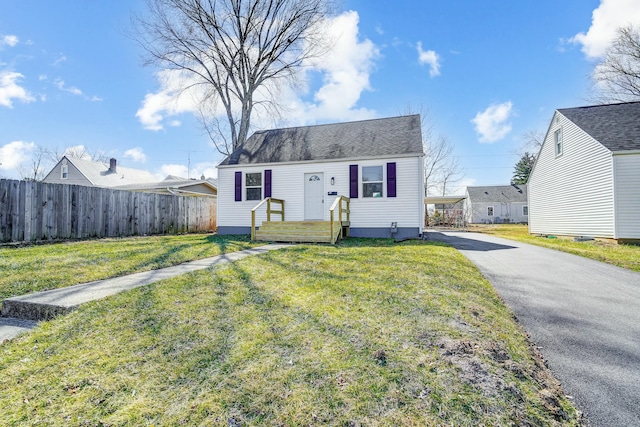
{"points": [[487, 366]]}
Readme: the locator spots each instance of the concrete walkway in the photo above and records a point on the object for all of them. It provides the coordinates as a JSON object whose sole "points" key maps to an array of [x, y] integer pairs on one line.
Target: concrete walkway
{"points": [[584, 314], [22, 313]]}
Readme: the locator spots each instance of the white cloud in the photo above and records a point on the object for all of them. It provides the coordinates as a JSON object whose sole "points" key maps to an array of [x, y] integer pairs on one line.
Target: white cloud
{"points": [[605, 20], [431, 58], [136, 154], [14, 153], [73, 90], [9, 40], [176, 170], [492, 123], [345, 74], [96, 99], [464, 183], [208, 169], [171, 100], [62, 58], [9, 89]]}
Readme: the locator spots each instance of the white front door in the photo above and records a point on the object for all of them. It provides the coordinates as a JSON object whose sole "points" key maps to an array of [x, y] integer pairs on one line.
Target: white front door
{"points": [[314, 197]]}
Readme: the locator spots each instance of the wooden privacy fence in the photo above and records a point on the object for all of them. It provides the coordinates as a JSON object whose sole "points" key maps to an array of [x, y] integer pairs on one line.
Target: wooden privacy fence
{"points": [[31, 211]]}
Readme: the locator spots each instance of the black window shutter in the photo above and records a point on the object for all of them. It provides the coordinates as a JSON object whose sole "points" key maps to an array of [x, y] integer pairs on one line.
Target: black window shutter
{"points": [[391, 179], [267, 183], [238, 186], [353, 181]]}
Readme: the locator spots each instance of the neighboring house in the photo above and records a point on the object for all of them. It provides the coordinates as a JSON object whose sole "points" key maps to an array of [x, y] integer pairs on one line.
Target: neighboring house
{"points": [[95, 174], [377, 163], [586, 179], [496, 204], [177, 186]]}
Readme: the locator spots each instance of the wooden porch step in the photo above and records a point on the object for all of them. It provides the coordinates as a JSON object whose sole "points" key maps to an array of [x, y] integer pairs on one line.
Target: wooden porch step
{"points": [[298, 231]]}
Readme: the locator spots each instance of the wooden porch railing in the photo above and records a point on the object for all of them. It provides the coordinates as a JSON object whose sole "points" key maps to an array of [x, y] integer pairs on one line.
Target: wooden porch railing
{"points": [[342, 210], [268, 201]]}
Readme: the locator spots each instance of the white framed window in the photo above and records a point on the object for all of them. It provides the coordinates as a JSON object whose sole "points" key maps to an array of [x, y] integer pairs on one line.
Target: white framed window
{"points": [[525, 210], [64, 171], [372, 181], [253, 186], [489, 210], [557, 139]]}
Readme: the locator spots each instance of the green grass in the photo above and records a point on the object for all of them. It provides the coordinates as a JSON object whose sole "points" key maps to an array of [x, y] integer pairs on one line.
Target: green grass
{"points": [[366, 333], [625, 256], [34, 268]]}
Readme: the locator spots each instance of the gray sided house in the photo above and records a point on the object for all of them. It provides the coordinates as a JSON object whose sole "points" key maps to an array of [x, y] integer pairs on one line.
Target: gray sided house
{"points": [[496, 204], [586, 179], [95, 174], [376, 163]]}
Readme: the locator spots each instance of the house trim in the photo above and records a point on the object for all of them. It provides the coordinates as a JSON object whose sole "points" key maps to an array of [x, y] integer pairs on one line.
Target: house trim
{"points": [[349, 159], [368, 232]]}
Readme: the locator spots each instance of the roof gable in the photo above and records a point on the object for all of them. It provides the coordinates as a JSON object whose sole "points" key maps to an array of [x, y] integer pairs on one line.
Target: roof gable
{"points": [[616, 126], [363, 139], [498, 194]]}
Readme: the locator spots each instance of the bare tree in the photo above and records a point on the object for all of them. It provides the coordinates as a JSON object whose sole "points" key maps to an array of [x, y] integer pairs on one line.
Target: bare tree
{"points": [[450, 173], [37, 167], [232, 49], [532, 140], [618, 75], [441, 166], [81, 152]]}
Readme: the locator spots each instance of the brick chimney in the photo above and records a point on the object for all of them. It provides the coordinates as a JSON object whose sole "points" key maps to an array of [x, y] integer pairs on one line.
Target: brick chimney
{"points": [[112, 165]]}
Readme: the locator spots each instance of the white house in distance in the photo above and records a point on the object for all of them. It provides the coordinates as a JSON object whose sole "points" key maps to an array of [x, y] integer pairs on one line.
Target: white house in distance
{"points": [[496, 204], [586, 179], [377, 163], [95, 174]]}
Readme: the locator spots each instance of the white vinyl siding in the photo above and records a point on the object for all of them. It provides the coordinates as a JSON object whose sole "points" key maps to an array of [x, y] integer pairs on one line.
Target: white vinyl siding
{"points": [[74, 176], [627, 195], [571, 194], [477, 212], [407, 208]]}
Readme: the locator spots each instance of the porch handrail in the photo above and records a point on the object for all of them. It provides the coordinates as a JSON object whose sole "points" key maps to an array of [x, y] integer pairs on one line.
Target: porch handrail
{"points": [[268, 201], [337, 203]]}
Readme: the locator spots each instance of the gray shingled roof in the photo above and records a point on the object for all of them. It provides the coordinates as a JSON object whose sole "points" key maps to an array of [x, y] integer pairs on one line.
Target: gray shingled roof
{"points": [[353, 140], [616, 126], [498, 193]]}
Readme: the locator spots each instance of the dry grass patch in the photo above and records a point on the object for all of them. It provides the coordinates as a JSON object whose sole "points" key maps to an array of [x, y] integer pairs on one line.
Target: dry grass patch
{"points": [[366, 333]]}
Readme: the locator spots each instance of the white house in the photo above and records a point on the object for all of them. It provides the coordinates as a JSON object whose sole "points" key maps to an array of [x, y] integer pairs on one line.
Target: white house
{"points": [[377, 163], [95, 174], [586, 179], [496, 204]]}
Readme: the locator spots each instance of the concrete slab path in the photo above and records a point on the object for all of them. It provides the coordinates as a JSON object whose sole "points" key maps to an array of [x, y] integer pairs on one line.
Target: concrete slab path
{"points": [[584, 314], [21, 313]]}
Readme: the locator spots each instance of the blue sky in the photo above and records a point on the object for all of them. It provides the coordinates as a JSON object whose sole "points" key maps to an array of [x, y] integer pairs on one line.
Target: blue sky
{"points": [[486, 71]]}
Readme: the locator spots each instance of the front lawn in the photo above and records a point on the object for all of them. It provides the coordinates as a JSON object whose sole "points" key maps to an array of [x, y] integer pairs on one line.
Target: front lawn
{"points": [[365, 333], [40, 267], [625, 256]]}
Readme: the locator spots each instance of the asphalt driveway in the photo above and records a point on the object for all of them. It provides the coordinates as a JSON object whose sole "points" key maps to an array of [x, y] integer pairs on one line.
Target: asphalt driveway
{"points": [[584, 314]]}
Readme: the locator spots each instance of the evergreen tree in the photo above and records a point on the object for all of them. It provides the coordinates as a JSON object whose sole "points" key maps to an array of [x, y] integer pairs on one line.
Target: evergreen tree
{"points": [[523, 168]]}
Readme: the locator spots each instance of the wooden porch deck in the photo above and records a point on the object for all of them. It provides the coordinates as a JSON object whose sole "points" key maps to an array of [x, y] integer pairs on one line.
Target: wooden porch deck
{"points": [[300, 231]]}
